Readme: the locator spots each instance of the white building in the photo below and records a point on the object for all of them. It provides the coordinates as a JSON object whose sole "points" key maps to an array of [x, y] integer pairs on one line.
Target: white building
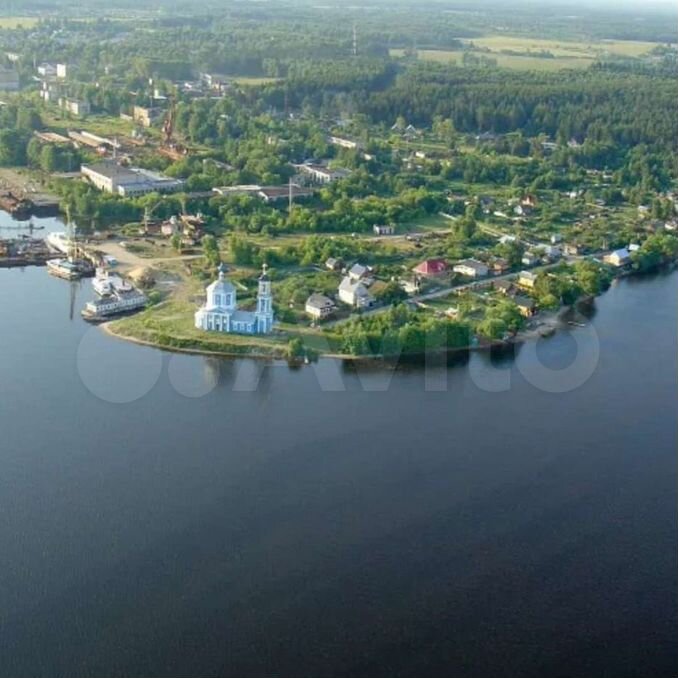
{"points": [[318, 306], [618, 258], [471, 268], [47, 70], [354, 293], [75, 106], [358, 272], [321, 174], [62, 71], [220, 312], [110, 177], [344, 143]]}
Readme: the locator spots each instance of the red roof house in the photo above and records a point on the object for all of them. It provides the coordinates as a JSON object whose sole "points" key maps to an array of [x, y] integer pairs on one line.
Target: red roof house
{"points": [[432, 267]]}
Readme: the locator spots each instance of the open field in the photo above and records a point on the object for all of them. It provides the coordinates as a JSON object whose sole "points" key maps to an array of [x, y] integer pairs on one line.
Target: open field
{"points": [[255, 81], [564, 48], [103, 125], [12, 22], [524, 53], [524, 63]]}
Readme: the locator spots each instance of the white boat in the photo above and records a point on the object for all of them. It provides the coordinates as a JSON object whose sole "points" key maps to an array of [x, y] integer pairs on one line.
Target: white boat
{"points": [[115, 304], [105, 284], [59, 242]]}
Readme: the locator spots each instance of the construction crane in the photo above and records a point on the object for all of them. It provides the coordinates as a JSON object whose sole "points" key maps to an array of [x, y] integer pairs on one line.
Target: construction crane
{"points": [[171, 148], [147, 214], [168, 124]]}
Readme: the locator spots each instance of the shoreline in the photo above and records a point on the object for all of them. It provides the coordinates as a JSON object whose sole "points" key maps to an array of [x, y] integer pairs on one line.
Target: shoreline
{"points": [[551, 321]]}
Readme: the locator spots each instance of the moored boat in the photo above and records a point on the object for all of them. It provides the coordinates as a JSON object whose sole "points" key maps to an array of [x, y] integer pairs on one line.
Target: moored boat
{"points": [[69, 269], [118, 303], [105, 283]]}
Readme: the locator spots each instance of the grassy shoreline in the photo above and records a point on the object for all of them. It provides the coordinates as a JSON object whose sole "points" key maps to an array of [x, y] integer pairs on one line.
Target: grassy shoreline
{"points": [[145, 330]]}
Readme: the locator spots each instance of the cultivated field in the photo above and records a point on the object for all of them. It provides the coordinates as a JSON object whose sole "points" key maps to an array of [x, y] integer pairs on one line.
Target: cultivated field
{"points": [[12, 22], [525, 63], [564, 48], [528, 53]]}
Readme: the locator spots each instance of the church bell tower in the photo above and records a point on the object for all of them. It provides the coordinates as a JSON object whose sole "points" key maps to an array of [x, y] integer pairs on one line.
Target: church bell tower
{"points": [[264, 313]]}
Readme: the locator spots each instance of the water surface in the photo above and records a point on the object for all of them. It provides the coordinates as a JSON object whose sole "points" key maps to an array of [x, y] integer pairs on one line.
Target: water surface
{"points": [[165, 515]]}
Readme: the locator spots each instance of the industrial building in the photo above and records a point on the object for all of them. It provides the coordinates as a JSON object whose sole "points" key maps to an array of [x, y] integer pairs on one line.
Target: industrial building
{"points": [[113, 178]]}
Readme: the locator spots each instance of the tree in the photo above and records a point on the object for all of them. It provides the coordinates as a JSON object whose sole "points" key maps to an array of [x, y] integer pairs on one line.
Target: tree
{"points": [[211, 250]]}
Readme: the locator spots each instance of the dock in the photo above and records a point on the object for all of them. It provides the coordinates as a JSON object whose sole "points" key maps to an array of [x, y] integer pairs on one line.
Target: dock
{"points": [[23, 252]]}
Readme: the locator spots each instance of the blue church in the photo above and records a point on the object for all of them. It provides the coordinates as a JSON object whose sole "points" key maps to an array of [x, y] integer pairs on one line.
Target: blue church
{"points": [[220, 312]]}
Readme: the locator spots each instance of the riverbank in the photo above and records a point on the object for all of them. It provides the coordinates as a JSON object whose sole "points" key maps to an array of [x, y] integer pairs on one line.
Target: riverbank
{"points": [[236, 346], [172, 330]]}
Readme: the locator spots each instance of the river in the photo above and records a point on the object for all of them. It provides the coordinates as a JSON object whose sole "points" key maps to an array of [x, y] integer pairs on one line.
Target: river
{"points": [[173, 515]]}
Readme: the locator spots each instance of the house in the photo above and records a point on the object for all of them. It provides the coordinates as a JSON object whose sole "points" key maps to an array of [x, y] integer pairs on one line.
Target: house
{"points": [[573, 249], [410, 286], [432, 268], [526, 306], [215, 81], [334, 264], [319, 307], [529, 259], [354, 293], [50, 91], [358, 272], [75, 106], [529, 201], [527, 279], [500, 266], [321, 174], [382, 229], [503, 286], [618, 258], [551, 251], [471, 268], [62, 71], [47, 70], [486, 203], [146, 115]]}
